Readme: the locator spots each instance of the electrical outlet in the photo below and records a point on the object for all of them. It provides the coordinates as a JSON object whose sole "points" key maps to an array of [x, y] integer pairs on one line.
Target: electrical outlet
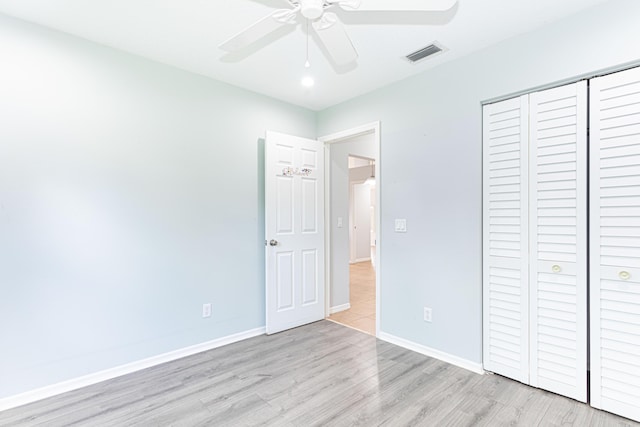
{"points": [[206, 310], [427, 314]]}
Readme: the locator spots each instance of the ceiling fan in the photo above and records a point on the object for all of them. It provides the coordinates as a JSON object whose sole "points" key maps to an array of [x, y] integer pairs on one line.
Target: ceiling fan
{"points": [[326, 24]]}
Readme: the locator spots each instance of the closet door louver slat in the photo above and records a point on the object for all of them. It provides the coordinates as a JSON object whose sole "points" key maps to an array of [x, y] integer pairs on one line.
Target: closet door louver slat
{"points": [[615, 243], [505, 133], [558, 240]]}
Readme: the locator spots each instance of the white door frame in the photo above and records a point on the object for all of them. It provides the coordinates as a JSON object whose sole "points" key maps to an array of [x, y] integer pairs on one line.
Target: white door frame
{"points": [[337, 137]]}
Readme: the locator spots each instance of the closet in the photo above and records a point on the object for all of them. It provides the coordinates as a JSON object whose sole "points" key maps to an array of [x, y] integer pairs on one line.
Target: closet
{"points": [[535, 258], [549, 204]]}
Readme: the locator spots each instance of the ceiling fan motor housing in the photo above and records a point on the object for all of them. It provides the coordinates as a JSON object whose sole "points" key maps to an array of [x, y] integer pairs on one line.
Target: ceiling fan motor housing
{"points": [[312, 9]]}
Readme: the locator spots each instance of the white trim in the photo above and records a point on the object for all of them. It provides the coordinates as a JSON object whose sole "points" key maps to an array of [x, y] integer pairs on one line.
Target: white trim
{"points": [[356, 261], [374, 128], [108, 374], [327, 229], [351, 133], [431, 352], [339, 308]]}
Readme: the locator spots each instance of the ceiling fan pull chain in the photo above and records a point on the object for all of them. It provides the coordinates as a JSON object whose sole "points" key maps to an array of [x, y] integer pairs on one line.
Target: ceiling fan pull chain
{"points": [[307, 64]]}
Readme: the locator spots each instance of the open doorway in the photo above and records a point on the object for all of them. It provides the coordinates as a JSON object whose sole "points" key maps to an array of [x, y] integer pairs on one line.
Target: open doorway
{"points": [[361, 313], [353, 212]]}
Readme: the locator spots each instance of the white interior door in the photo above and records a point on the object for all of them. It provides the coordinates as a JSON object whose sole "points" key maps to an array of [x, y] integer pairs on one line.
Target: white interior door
{"points": [[506, 230], [361, 222], [558, 239], [294, 198], [615, 243]]}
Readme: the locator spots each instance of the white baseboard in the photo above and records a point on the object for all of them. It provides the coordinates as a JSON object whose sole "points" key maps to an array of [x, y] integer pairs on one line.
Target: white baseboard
{"points": [[431, 352], [339, 308], [356, 261], [87, 380]]}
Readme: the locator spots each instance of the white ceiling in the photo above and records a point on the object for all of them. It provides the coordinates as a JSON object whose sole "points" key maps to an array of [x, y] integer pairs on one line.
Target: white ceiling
{"points": [[186, 33]]}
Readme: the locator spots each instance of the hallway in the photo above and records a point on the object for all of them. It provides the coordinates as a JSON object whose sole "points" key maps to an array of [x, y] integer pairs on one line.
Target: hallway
{"points": [[362, 296]]}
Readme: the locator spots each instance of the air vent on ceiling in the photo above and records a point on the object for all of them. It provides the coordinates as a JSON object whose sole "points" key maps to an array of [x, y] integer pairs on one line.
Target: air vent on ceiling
{"points": [[425, 52]]}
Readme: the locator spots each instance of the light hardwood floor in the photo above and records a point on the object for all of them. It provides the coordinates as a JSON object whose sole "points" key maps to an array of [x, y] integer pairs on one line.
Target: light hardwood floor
{"points": [[322, 374], [362, 294]]}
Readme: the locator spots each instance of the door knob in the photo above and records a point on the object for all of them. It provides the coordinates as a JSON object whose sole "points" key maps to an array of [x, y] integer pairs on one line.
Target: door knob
{"points": [[624, 275], [556, 269], [273, 242]]}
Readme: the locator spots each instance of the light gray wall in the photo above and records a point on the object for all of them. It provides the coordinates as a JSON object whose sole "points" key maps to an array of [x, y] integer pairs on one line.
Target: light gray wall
{"points": [[363, 146], [431, 165], [130, 194]]}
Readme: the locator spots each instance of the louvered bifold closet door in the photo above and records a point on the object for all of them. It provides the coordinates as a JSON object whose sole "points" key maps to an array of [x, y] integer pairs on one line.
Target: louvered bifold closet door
{"points": [[505, 228], [558, 240], [615, 243]]}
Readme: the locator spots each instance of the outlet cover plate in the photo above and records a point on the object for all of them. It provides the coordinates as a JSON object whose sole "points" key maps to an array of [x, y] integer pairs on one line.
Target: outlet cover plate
{"points": [[428, 314], [206, 310]]}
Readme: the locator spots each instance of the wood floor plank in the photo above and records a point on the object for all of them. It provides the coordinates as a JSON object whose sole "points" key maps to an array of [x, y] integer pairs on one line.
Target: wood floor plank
{"points": [[433, 407], [521, 405], [321, 374]]}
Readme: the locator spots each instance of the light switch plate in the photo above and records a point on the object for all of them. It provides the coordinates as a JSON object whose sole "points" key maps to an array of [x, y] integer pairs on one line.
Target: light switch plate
{"points": [[401, 225], [206, 310], [339, 222], [428, 314]]}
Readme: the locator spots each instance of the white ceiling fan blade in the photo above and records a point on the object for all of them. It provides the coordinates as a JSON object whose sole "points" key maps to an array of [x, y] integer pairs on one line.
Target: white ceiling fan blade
{"points": [[335, 39], [260, 29], [396, 5]]}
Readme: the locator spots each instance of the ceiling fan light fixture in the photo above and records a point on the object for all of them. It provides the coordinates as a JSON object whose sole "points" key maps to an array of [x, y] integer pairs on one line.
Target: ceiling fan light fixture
{"points": [[308, 81]]}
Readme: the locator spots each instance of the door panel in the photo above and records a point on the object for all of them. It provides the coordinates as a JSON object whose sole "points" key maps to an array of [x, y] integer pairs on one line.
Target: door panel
{"points": [[309, 206], [310, 285], [558, 243], [294, 210], [284, 205], [505, 263], [615, 243], [284, 281]]}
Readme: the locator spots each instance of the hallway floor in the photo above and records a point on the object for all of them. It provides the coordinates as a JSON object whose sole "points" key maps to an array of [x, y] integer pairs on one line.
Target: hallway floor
{"points": [[362, 314]]}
